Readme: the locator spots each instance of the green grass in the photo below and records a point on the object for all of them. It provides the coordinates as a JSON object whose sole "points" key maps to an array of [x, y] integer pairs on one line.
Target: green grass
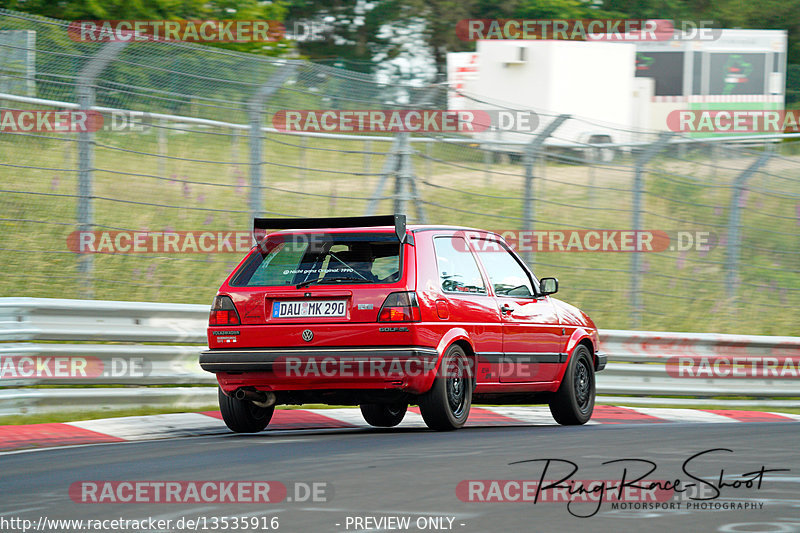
{"points": [[136, 190]]}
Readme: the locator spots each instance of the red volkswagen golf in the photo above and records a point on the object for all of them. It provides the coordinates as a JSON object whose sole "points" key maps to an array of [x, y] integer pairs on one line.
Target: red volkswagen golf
{"points": [[366, 311]]}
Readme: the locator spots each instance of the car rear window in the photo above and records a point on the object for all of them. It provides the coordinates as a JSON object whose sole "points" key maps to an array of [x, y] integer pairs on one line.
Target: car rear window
{"points": [[323, 259]]}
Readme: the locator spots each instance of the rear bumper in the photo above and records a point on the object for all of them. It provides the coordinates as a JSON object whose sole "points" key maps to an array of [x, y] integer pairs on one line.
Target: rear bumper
{"points": [[602, 359], [407, 368], [276, 359]]}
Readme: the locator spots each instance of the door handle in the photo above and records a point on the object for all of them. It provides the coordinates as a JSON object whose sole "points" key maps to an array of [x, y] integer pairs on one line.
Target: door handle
{"points": [[506, 309]]}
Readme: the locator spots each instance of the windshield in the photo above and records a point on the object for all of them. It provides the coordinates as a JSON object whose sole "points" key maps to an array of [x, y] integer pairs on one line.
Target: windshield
{"points": [[321, 258]]}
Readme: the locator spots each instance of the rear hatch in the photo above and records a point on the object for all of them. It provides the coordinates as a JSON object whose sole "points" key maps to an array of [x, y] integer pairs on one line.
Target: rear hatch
{"points": [[325, 277]]}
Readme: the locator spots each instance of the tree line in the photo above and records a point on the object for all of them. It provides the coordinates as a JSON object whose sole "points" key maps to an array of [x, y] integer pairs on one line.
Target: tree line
{"points": [[357, 34]]}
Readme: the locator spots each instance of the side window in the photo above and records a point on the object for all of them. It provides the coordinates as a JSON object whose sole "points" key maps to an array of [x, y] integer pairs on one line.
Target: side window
{"points": [[506, 275], [458, 270]]}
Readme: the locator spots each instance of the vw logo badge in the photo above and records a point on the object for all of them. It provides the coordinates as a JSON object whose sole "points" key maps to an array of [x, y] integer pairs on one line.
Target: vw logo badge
{"points": [[308, 335]]}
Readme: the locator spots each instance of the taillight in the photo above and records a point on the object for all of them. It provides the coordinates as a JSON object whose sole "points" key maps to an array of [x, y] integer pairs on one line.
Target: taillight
{"points": [[223, 312], [400, 307]]}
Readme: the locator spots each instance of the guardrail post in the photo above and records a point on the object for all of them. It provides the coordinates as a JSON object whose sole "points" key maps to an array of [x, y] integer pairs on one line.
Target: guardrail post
{"points": [[735, 225], [85, 212], [256, 138], [532, 151], [637, 307]]}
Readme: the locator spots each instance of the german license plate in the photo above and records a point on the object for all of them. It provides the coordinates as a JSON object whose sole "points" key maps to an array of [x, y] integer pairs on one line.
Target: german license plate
{"points": [[308, 308]]}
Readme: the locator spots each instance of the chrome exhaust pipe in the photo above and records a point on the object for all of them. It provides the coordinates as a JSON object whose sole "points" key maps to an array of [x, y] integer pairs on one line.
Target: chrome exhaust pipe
{"points": [[259, 398]]}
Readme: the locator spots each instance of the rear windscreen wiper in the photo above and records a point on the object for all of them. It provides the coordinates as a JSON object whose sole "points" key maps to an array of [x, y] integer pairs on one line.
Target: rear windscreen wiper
{"points": [[326, 280]]}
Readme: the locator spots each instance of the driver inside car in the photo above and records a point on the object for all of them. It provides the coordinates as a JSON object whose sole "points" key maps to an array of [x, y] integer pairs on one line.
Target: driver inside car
{"points": [[359, 258]]}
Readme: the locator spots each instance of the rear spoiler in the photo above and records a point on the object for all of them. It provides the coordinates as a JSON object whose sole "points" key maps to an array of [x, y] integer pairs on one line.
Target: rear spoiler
{"points": [[260, 225]]}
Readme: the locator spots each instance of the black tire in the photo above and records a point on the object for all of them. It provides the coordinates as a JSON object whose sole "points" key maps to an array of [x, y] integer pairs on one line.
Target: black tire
{"points": [[243, 416], [573, 403], [383, 415], [446, 405]]}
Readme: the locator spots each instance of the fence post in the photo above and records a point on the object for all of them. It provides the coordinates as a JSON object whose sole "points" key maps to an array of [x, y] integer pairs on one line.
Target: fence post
{"points": [[163, 149], [487, 167], [406, 179], [735, 225], [411, 178], [367, 160], [303, 162], [85, 191], [428, 161], [398, 164], [401, 183], [256, 142], [388, 168], [638, 192], [256, 138], [85, 212], [532, 150]]}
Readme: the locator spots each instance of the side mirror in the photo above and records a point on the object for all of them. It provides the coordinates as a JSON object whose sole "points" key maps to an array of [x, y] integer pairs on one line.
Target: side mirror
{"points": [[548, 286]]}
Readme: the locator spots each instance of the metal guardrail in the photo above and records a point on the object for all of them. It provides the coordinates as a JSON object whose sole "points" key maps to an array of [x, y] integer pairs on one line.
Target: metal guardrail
{"points": [[101, 320], [125, 353], [129, 351], [644, 363], [38, 401]]}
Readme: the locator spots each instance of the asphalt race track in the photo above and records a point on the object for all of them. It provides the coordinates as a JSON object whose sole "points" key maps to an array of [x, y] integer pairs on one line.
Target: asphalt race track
{"points": [[414, 473]]}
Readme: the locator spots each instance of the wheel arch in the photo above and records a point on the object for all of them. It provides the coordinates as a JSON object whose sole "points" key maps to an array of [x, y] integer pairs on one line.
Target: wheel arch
{"points": [[455, 336], [459, 337], [586, 338], [586, 341]]}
